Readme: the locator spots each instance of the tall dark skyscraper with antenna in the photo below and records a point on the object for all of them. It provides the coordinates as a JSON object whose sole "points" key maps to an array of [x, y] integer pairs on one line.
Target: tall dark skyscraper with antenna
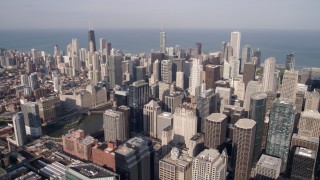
{"points": [[91, 39]]}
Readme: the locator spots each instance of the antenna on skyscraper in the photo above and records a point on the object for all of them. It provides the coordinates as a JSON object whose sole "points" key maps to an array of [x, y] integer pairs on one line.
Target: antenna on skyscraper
{"points": [[90, 25]]}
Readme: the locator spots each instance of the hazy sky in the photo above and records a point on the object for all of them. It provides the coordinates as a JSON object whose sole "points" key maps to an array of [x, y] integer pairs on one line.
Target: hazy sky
{"points": [[274, 14]]}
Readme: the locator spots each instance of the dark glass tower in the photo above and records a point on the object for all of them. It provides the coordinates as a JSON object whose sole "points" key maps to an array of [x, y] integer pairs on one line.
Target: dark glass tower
{"points": [[91, 40]]}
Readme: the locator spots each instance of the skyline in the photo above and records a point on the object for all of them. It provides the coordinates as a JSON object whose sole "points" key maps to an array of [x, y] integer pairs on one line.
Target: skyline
{"points": [[286, 14]]}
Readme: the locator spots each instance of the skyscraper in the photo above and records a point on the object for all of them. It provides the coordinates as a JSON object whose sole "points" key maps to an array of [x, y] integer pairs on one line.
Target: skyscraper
{"points": [[290, 62], [134, 159], [289, 85], [180, 80], [184, 124], [195, 79], [150, 114], [209, 165], [215, 130], [33, 81], [235, 44], [103, 46], [162, 41], [19, 129], [91, 40], [312, 101], [268, 74], [245, 56], [32, 119], [115, 70], [138, 97], [243, 143], [280, 130], [309, 123], [234, 67], [249, 72], [303, 164], [166, 71], [252, 87], [257, 113], [268, 167], [114, 126], [175, 166], [212, 75]]}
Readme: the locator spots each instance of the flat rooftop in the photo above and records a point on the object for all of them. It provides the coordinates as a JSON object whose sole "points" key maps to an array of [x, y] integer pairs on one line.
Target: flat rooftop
{"points": [[91, 170], [269, 162]]}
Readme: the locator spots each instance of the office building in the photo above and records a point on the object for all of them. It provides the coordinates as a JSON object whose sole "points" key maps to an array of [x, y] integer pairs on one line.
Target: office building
{"points": [[88, 171], [268, 74], [164, 90], [150, 114], [280, 130], [243, 144], [91, 40], [271, 96], [309, 124], [235, 44], [257, 113], [140, 73], [196, 144], [156, 70], [49, 108], [24, 78], [209, 165], [289, 85], [180, 80], [234, 113], [166, 71], [32, 119], [215, 130], [175, 166], [164, 120], [303, 164], [249, 72], [77, 144], [114, 126], [138, 97], [184, 124], [19, 129], [256, 57], [173, 100], [312, 101], [103, 155], [245, 56], [234, 67], [224, 97], [212, 73], [162, 41], [252, 87], [195, 76], [290, 62], [268, 167], [115, 70], [134, 159], [304, 141], [33, 81], [207, 103]]}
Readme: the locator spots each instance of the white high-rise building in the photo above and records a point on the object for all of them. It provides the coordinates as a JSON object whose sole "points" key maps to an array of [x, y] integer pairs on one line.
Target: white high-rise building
{"points": [[75, 46], [166, 71], [56, 83], [226, 69], [209, 165], [268, 74], [289, 84], [19, 129], [24, 80], [234, 66], [235, 43], [195, 76], [184, 124], [114, 126], [162, 41], [180, 80], [150, 114]]}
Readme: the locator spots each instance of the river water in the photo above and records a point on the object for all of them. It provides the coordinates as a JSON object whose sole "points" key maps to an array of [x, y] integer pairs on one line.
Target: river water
{"points": [[90, 124]]}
